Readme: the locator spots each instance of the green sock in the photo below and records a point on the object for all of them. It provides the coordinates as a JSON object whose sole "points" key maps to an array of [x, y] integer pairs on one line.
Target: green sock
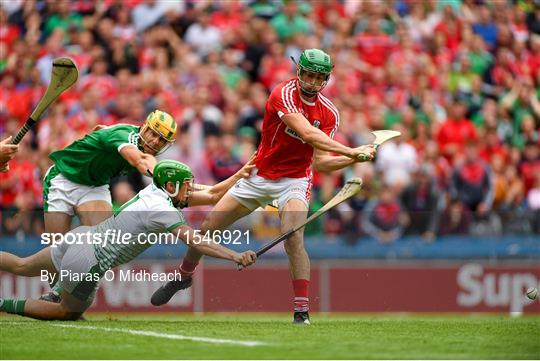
{"points": [[57, 288], [12, 306]]}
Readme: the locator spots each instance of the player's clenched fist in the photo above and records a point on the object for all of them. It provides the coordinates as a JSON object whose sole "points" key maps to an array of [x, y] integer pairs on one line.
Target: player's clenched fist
{"points": [[246, 258], [365, 152]]}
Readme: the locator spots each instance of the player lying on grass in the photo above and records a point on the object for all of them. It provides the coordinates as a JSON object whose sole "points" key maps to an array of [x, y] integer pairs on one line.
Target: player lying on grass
{"points": [[78, 182], [152, 210], [298, 129]]}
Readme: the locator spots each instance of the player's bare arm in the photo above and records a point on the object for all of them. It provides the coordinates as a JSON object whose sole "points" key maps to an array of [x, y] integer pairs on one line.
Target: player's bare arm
{"points": [[318, 139], [176, 179], [324, 162], [142, 161], [213, 194], [208, 247]]}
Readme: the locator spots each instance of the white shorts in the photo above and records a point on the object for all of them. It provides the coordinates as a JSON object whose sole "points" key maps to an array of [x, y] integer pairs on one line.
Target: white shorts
{"points": [[77, 267], [256, 191], [62, 195]]}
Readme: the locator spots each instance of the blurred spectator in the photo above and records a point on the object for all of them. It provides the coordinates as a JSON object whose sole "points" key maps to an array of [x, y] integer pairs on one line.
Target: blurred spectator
{"points": [[456, 219], [124, 29], [472, 181], [445, 73], [53, 134], [480, 59], [265, 9], [373, 46], [529, 133], [229, 15], [63, 18], [289, 22], [529, 166], [203, 36], [397, 159], [450, 27], [197, 160], [514, 217], [382, 218], [275, 67], [420, 25], [53, 49], [104, 84], [422, 200], [492, 146], [461, 77], [201, 119], [149, 12], [475, 97], [441, 166], [487, 116], [485, 27], [9, 33], [223, 163], [230, 71], [533, 20], [520, 101], [455, 131]]}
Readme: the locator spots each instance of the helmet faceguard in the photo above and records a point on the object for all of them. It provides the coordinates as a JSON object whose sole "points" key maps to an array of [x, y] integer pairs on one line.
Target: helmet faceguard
{"points": [[162, 131], [176, 172], [313, 61]]}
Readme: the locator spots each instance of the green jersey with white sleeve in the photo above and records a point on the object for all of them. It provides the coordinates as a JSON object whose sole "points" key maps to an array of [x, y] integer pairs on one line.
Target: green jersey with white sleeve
{"points": [[151, 211]]}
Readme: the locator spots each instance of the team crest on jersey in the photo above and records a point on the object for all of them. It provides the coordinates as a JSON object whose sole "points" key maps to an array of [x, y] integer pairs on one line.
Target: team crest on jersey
{"points": [[317, 124]]}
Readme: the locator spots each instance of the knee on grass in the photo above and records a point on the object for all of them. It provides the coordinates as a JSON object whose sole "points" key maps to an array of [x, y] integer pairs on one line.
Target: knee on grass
{"points": [[65, 314]]}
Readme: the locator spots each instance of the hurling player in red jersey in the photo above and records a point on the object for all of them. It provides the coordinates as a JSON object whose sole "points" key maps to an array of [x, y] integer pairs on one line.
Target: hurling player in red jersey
{"points": [[298, 127]]}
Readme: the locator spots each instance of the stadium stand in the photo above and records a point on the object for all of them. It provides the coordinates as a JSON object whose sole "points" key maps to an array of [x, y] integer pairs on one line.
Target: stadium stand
{"points": [[460, 79]]}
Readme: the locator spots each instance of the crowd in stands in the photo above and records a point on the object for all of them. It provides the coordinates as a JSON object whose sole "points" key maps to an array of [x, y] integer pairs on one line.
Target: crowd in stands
{"points": [[459, 79]]}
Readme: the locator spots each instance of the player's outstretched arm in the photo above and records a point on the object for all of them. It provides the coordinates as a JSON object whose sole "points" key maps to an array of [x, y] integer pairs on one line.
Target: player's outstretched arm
{"points": [[317, 138], [213, 194], [324, 162], [142, 161], [210, 248]]}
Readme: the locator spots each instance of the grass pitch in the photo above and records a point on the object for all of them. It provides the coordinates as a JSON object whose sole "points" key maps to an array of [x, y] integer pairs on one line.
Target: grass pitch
{"points": [[240, 336]]}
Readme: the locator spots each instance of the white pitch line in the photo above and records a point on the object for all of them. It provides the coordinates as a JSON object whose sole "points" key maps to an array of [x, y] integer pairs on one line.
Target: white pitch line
{"points": [[166, 335]]}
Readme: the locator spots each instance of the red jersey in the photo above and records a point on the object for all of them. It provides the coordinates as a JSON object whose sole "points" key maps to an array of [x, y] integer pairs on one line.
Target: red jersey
{"points": [[454, 132], [282, 153]]}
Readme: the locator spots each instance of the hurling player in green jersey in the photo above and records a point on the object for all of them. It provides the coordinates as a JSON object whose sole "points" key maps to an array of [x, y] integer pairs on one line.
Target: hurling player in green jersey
{"points": [[78, 266], [78, 182]]}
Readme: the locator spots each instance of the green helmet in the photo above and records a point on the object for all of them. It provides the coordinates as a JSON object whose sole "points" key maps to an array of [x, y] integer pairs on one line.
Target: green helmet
{"points": [[316, 61], [171, 171]]}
